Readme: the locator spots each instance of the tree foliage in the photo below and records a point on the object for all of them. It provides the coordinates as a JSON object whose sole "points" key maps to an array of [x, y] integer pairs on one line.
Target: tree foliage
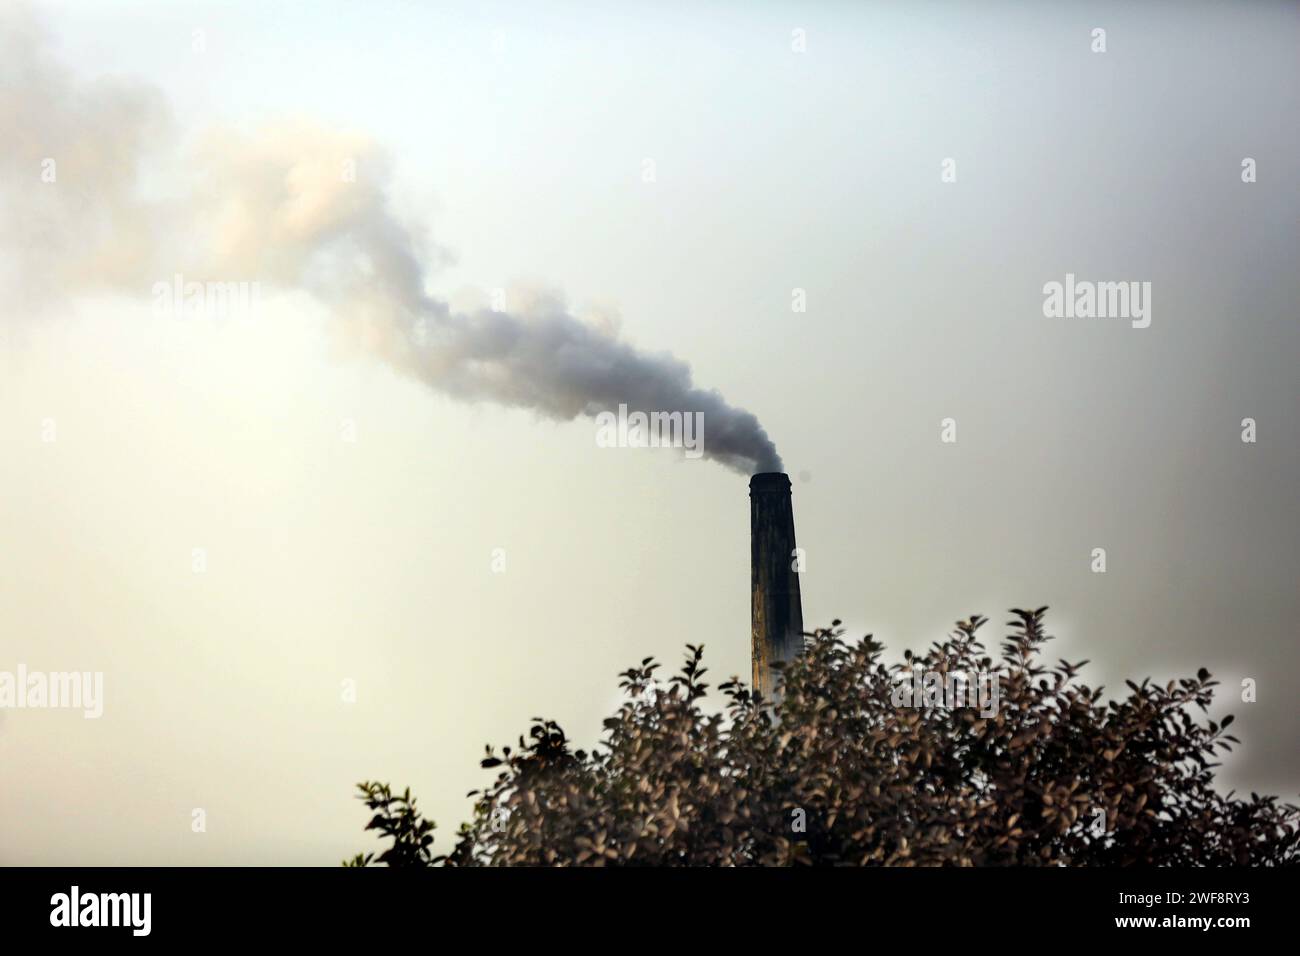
{"points": [[838, 774]]}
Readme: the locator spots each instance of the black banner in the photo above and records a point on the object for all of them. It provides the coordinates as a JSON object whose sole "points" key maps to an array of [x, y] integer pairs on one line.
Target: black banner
{"points": [[939, 907]]}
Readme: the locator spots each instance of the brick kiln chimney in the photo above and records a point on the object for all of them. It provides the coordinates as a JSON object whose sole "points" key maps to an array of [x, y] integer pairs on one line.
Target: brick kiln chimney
{"points": [[776, 612]]}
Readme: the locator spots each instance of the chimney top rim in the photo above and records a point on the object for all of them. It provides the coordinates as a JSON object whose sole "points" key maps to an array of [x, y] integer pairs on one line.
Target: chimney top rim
{"points": [[769, 481]]}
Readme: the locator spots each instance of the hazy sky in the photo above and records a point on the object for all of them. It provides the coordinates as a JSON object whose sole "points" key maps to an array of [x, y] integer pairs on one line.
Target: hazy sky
{"points": [[517, 138]]}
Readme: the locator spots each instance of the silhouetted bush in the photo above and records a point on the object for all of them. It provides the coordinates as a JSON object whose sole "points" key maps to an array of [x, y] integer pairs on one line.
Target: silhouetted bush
{"points": [[838, 773]]}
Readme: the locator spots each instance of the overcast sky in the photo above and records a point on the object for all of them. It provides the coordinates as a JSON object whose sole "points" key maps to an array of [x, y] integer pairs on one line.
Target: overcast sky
{"points": [[512, 142]]}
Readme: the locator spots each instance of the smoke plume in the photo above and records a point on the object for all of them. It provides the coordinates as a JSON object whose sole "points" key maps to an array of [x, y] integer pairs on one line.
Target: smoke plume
{"points": [[99, 195]]}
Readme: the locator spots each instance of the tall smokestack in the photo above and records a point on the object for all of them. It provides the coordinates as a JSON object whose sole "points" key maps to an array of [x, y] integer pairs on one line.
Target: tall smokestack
{"points": [[776, 611]]}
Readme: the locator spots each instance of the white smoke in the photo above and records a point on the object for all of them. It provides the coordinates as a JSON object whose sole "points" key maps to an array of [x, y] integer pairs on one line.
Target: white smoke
{"points": [[291, 207]]}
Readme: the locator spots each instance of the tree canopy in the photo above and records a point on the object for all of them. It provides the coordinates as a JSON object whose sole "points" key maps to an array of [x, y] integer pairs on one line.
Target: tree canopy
{"points": [[839, 772]]}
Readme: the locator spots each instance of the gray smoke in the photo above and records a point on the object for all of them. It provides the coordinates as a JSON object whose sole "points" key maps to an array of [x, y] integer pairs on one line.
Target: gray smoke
{"points": [[292, 207]]}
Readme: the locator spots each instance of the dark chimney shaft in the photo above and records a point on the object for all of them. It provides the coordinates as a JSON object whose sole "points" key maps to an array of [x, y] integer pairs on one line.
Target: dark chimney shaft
{"points": [[776, 616]]}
